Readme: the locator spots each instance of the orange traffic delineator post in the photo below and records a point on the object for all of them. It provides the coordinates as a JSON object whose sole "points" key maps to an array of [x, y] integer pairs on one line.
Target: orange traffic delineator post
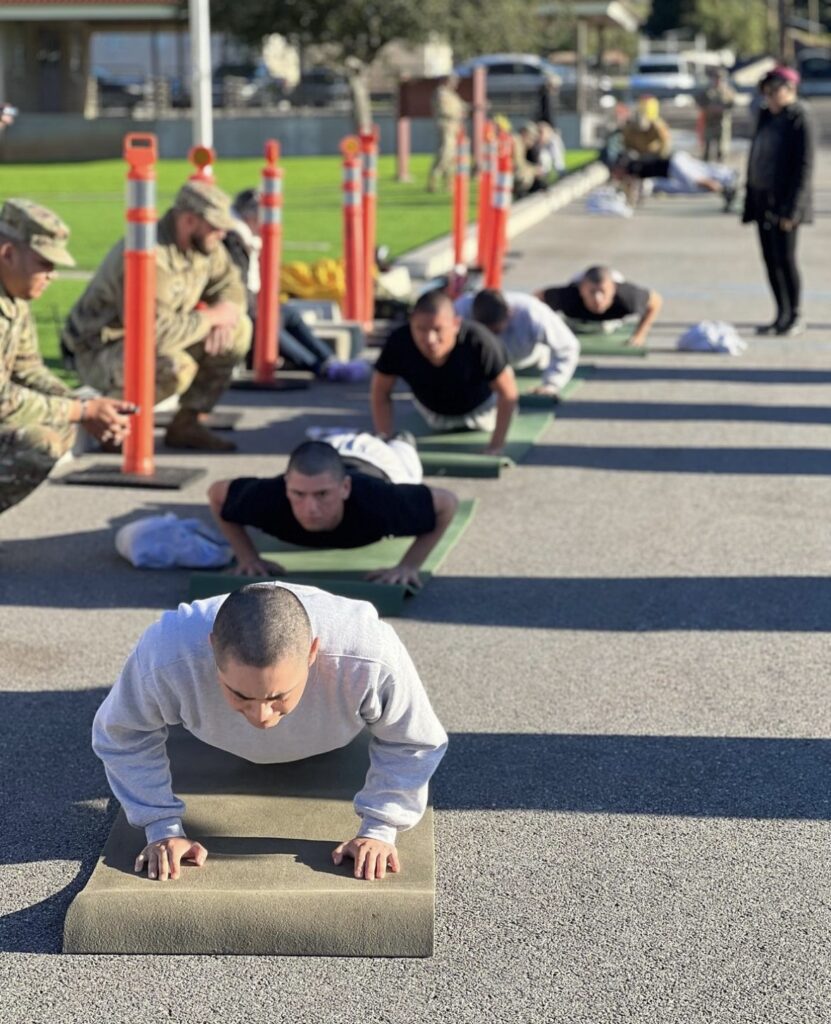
{"points": [[369, 208], [266, 343], [267, 327], [140, 300], [486, 179], [138, 469], [502, 193], [203, 159], [353, 242], [461, 192]]}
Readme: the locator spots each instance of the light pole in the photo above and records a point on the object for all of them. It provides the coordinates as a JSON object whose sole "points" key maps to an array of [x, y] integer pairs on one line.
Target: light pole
{"points": [[200, 72]]}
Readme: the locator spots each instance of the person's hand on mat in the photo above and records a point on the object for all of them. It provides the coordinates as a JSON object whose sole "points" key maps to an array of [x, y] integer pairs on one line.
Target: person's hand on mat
{"points": [[490, 450], [403, 574], [637, 340], [257, 567], [372, 857], [107, 419], [164, 857]]}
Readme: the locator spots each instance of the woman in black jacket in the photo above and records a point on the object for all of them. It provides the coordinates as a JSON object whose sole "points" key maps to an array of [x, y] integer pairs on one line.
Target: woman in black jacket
{"points": [[779, 184]]}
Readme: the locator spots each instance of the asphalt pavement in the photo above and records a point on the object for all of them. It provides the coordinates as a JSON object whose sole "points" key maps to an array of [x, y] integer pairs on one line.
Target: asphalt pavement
{"points": [[628, 648]]}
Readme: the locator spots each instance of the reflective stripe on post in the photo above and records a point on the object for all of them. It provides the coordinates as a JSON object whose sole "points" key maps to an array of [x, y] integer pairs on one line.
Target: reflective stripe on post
{"points": [[140, 152], [503, 185], [461, 191], [353, 249], [485, 210], [266, 344], [369, 154]]}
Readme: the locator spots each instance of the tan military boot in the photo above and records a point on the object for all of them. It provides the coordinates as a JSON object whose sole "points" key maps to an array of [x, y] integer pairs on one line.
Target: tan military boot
{"points": [[185, 431]]}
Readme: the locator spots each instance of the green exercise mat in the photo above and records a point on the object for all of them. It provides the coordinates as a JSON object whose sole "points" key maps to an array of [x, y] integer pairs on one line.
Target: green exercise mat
{"points": [[460, 452], [526, 384], [615, 343], [342, 570], [269, 886]]}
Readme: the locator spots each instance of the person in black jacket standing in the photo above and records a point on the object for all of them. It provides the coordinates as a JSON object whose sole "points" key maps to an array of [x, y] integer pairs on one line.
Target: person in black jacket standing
{"points": [[779, 187]]}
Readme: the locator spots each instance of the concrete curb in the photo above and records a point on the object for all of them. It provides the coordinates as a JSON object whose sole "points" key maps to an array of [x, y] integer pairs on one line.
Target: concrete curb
{"points": [[436, 257]]}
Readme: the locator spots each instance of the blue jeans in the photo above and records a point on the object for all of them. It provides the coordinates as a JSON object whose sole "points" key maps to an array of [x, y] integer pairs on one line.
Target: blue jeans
{"points": [[299, 344]]}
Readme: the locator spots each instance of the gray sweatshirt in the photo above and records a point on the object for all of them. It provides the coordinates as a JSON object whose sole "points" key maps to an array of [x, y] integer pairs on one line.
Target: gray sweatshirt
{"points": [[362, 678]]}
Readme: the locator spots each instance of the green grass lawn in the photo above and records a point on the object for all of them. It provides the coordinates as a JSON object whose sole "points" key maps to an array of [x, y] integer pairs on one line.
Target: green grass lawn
{"points": [[90, 197]]}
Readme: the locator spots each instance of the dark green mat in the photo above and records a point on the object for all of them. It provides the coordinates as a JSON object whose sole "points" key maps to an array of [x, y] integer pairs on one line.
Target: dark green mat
{"points": [[459, 452], [341, 570], [616, 343], [527, 383]]}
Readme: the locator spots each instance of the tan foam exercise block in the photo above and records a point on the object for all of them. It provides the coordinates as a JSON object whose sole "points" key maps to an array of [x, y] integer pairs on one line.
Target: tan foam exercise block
{"points": [[269, 886]]}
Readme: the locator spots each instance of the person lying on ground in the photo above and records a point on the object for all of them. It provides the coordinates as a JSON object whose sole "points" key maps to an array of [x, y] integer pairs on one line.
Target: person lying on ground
{"points": [[601, 295], [308, 672], [682, 174], [533, 335], [318, 504], [296, 341], [457, 370], [202, 325], [39, 416]]}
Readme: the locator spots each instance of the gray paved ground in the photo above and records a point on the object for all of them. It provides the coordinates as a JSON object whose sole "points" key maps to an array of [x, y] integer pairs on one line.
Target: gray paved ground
{"points": [[628, 647]]}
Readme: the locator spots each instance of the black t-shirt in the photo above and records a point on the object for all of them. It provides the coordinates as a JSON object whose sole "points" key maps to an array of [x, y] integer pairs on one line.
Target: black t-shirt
{"points": [[629, 299], [374, 509], [458, 386]]}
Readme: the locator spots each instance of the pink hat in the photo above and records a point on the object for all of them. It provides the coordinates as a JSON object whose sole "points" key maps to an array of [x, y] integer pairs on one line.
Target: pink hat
{"points": [[781, 73]]}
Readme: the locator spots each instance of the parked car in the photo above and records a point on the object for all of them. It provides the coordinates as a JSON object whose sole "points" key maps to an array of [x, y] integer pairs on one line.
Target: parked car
{"points": [[120, 92], [814, 66], [663, 75], [246, 85], [522, 74], [321, 87]]}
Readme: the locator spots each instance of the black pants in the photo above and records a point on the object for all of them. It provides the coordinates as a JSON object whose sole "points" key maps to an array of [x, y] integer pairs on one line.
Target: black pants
{"points": [[779, 253]]}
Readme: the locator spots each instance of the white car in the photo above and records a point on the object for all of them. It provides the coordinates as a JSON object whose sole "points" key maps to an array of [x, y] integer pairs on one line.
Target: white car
{"points": [[524, 73], [663, 75]]}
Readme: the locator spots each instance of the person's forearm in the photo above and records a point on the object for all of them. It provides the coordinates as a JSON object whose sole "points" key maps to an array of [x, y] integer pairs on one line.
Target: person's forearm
{"points": [[647, 320], [382, 415], [504, 411], [237, 537], [422, 546]]}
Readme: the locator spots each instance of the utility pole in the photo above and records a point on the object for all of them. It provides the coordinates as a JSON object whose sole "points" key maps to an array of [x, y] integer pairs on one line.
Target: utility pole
{"points": [[200, 73]]}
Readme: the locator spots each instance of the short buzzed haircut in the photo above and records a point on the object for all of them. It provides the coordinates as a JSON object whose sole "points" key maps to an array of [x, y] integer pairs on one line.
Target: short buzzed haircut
{"points": [[490, 307], [597, 274], [247, 203], [433, 302], [260, 625], [315, 457]]}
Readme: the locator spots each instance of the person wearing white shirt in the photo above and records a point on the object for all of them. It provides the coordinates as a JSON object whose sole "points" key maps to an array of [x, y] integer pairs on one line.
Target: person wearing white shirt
{"points": [[533, 335]]}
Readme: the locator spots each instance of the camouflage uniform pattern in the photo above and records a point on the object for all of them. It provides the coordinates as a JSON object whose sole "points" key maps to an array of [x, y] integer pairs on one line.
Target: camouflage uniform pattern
{"points": [[94, 330], [35, 406], [717, 101], [450, 111]]}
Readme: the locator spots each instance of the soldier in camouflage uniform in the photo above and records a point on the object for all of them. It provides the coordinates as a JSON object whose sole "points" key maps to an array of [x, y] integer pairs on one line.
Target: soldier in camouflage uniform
{"points": [[202, 328], [38, 414], [449, 110]]}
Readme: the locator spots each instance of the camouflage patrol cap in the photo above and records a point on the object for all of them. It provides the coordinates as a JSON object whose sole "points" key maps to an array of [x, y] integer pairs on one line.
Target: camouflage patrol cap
{"points": [[43, 231], [208, 200]]}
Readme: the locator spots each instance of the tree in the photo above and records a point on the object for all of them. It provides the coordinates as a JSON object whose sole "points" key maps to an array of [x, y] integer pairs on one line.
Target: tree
{"points": [[487, 26], [347, 28]]}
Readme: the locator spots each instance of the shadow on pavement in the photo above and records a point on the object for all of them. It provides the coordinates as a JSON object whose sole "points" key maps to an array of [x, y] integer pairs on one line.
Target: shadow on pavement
{"points": [[792, 604], [697, 411], [732, 461], [726, 374], [690, 776], [54, 793]]}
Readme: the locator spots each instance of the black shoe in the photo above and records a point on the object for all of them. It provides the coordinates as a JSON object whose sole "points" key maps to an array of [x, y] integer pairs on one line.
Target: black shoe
{"points": [[729, 195], [773, 328], [792, 329]]}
